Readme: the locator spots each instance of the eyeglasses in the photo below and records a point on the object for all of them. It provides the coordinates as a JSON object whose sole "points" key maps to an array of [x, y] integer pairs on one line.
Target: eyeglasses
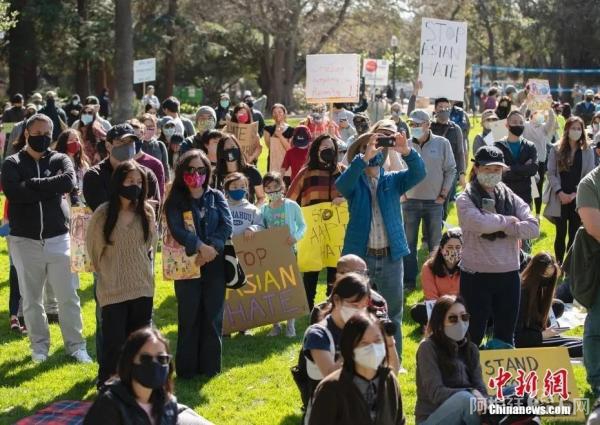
{"points": [[198, 170], [162, 359], [454, 318], [413, 124]]}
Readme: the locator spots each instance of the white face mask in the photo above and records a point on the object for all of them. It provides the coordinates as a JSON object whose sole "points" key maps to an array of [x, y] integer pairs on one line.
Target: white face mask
{"points": [[574, 134], [347, 312], [370, 356], [457, 331]]}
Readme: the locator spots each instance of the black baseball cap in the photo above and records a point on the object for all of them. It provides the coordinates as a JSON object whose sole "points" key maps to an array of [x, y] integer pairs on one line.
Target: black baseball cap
{"points": [[489, 155], [119, 131]]}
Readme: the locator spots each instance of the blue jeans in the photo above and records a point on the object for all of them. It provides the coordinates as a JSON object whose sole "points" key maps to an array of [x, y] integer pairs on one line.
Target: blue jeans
{"points": [[454, 411], [591, 345], [413, 211], [386, 274]]}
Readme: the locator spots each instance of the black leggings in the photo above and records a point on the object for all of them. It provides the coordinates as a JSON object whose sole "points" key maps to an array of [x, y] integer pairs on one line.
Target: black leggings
{"points": [[310, 284], [568, 222], [538, 201]]}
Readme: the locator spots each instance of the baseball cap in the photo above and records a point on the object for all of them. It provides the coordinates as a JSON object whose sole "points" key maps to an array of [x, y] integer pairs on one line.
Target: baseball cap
{"points": [[489, 114], [589, 92], [419, 116], [489, 155], [119, 131], [302, 133]]}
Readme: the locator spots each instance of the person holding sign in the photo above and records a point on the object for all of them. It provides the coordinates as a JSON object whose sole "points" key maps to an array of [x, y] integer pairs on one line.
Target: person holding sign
{"points": [[374, 200], [449, 379], [120, 240], [315, 183], [242, 114], [201, 300]]}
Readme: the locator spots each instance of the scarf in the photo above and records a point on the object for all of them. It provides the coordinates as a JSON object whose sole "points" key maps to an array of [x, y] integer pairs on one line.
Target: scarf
{"points": [[503, 202]]}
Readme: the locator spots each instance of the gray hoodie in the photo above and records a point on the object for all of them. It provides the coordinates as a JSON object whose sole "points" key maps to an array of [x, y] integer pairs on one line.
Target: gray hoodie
{"points": [[245, 216]]}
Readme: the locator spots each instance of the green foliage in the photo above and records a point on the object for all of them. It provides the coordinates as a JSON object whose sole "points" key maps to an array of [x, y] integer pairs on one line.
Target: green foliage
{"points": [[8, 18]]}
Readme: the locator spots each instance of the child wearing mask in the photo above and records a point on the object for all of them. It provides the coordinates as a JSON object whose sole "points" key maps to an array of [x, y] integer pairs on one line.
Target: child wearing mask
{"points": [[247, 217], [295, 157], [282, 212]]}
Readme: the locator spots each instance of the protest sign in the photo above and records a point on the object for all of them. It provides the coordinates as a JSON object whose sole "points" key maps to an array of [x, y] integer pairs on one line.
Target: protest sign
{"points": [[274, 292], [538, 97], [375, 71], [545, 374], [144, 70], [499, 129], [80, 259], [443, 58], [323, 241], [429, 307], [246, 135], [332, 78], [176, 264]]}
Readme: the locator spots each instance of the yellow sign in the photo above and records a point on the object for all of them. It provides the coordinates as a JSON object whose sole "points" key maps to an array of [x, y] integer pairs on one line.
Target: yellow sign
{"points": [[323, 241], [176, 264], [545, 374]]}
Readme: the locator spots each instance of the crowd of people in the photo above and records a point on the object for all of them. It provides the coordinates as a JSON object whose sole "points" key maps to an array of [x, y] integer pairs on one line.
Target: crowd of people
{"points": [[483, 287]]}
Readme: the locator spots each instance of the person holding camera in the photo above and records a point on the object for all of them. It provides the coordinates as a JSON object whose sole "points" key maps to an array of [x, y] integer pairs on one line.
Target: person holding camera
{"points": [[425, 201], [493, 219], [374, 200]]}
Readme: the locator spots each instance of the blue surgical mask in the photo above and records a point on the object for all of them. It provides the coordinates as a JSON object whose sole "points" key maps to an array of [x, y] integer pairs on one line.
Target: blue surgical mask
{"points": [[86, 118], [224, 104], [237, 194], [417, 132], [377, 160]]}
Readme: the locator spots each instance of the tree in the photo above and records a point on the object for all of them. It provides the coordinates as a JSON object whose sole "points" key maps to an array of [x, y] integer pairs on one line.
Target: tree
{"points": [[123, 99], [22, 50]]}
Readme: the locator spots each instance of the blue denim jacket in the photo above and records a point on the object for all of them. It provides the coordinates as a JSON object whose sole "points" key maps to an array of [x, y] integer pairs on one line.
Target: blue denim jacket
{"points": [[353, 185], [212, 220]]}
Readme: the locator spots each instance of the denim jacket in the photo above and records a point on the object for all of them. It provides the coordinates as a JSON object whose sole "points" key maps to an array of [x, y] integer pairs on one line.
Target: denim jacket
{"points": [[212, 220]]}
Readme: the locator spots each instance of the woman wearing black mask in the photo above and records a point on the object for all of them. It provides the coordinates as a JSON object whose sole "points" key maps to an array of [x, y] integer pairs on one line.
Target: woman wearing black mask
{"points": [[230, 160], [120, 240], [504, 107], [315, 183]]}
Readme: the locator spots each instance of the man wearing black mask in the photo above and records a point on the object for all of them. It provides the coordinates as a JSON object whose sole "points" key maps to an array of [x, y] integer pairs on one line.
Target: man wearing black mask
{"points": [[361, 123], [35, 181]]}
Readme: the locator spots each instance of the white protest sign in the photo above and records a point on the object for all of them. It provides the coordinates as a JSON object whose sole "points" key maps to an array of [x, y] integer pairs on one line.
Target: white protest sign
{"points": [[375, 71], [144, 70], [443, 58], [429, 307], [332, 78], [499, 130], [489, 139]]}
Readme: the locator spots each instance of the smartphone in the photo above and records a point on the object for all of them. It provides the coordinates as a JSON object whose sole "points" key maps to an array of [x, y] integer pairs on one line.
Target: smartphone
{"points": [[488, 205], [561, 329], [386, 142]]}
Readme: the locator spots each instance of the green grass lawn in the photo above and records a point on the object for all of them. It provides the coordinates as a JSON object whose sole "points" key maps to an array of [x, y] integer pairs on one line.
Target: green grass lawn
{"points": [[255, 387]]}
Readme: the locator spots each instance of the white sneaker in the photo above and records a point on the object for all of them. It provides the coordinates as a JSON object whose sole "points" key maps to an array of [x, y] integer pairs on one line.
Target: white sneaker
{"points": [[275, 331], [81, 356], [39, 357], [402, 371]]}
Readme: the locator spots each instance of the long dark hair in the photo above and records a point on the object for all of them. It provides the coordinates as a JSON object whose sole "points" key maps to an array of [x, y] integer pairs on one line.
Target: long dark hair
{"points": [[237, 108], [353, 332], [563, 157], [437, 263], [313, 162], [114, 200], [539, 290], [446, 348], [179, 188], [132, 347], [221, 168], [80, 158]]}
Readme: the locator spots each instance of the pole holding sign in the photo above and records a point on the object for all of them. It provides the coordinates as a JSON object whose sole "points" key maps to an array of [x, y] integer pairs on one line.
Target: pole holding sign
{"points": [[332, 78], [144, 70], [443, 58]]}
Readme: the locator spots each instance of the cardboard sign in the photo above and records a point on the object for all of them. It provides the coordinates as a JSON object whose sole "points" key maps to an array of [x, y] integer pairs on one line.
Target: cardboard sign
{"points": [[246, 135], [176, 264], [443, 58], [376, 71], [323, 241], [275, 291], [499, 129], [80, 259], [332, 78], [549, 367], [144, 70], [539, 97]]}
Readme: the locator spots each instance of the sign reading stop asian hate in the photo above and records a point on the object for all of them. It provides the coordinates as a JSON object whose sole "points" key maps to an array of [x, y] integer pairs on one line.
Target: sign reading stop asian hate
{"points": [[443, 58], [274, 292], [332, 78]]}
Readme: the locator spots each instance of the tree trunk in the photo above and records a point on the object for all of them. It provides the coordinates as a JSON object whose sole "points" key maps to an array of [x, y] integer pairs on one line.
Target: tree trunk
{"points": [[82, 73], [491, 50], [22, 52], [123, 68], [170, 54]]}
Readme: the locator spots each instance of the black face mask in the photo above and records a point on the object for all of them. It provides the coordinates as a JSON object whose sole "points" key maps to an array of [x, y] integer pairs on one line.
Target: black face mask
{"points": [[327, 155], [517, 130], [232, 155], [132, 192], [39, 143], [150, 374], [362, 127]]}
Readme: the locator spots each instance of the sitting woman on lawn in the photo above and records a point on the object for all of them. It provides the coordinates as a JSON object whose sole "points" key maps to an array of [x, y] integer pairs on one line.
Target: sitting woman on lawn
{"points": [[365, 389]]}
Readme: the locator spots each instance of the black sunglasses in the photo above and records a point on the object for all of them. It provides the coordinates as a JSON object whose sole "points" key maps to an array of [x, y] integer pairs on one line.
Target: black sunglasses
{"points": [[162, 359], [454, 318], [199, 170]]}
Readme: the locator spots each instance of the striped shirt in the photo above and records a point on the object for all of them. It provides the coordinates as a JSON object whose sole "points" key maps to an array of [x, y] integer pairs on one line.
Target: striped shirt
{"points": [[311, 187], [378, 235]]}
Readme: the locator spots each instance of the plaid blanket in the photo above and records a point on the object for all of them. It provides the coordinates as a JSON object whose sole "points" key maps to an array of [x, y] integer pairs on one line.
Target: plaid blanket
{"points": [[64, 412]]}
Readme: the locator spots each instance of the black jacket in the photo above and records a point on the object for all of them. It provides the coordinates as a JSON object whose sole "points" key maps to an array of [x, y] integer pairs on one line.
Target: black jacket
{"points": [[518, 176], [96, 184], [527, 335], [35, 189], [58, 117], [117, 406]]}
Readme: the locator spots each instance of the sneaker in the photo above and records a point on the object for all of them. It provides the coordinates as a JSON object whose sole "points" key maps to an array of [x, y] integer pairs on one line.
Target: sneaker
{"points": [[15, 326], [275, 331], [38, 357], [24, 329], [81, 356], [402, 371]]}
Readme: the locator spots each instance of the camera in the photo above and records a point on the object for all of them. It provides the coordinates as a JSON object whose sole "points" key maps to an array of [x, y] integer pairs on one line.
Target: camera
{"points": [[389, 327]]}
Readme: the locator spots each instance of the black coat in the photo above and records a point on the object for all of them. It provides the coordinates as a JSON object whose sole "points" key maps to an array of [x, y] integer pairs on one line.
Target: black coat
{"points": [[518, 176]]}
